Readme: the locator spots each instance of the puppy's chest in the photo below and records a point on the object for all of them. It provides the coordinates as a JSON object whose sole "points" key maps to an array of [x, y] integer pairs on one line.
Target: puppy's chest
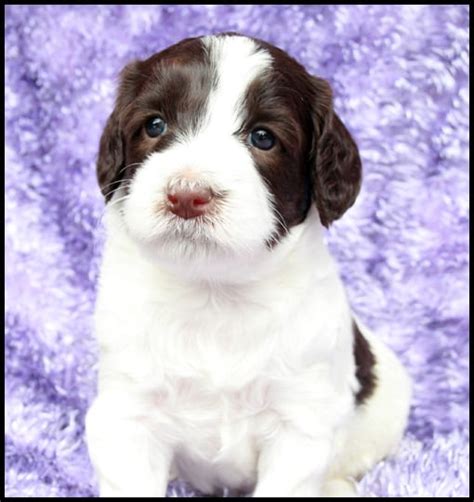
{"points": [[215, 389], [222, 345], [211, 371], [216, 431]]}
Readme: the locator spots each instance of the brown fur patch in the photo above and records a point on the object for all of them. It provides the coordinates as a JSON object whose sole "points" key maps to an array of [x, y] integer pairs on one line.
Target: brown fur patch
{"points": [[315, 156], [277, 101], [174, 84], [365, 362]]}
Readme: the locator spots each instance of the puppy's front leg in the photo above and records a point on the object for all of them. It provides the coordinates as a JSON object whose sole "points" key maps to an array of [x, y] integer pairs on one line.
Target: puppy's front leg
{"points": [[292, 464], [129, 462]]}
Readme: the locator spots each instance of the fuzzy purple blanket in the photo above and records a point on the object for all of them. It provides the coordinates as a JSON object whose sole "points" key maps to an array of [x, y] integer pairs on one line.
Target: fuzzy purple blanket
{"points": [[400, 77]]}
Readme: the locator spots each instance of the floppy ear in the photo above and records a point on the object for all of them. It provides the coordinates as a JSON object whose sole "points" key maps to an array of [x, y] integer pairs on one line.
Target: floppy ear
{"points": [[110, 161], [111, 158], [336, 169]]}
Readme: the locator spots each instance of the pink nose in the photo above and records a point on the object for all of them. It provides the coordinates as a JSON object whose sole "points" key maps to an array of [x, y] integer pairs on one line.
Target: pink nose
{"points": [[189, 203]]}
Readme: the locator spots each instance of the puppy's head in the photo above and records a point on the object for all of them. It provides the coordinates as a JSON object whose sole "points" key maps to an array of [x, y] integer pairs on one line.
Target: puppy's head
{"points": [[219, 145]]}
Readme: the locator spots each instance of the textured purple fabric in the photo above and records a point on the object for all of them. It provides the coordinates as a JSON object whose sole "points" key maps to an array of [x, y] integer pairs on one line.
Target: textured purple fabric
{"points": [[400, 78]]}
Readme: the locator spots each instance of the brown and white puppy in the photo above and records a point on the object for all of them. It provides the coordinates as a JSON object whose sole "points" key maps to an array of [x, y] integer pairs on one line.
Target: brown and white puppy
{"points": [[229, 354]]}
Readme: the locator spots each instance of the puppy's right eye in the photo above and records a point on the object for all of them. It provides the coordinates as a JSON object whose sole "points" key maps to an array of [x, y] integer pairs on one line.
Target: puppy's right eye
{"points": [[155, 126]]}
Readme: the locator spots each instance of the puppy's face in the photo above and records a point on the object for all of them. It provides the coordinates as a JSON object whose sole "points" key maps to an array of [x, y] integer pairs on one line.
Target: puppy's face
{"points": [[218, 146]]}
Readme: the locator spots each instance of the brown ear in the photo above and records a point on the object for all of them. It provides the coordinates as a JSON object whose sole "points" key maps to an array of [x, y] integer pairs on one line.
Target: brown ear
{"points": [[111, 158], [336, 167], [110, 161]]}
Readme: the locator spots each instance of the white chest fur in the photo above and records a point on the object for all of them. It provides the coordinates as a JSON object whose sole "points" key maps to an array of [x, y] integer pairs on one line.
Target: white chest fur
{"points": [[214, 369]]}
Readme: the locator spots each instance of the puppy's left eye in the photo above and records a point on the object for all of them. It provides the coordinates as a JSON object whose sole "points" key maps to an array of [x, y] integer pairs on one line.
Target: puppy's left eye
{"points": [[262, 139], [155, 126]]}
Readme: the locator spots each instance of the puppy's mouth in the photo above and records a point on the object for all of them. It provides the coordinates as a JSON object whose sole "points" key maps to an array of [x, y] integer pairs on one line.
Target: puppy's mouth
{"points": [[181, 220], [196, 227], [189, 238]]}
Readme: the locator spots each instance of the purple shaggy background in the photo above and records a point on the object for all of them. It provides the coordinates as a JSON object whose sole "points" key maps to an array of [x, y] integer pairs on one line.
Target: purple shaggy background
{"points": [[400, 78]]}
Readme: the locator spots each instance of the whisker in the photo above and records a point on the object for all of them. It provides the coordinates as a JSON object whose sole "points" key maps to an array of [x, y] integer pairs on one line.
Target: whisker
{"points": [[128, 166], [119, 188], [280, 220], [115, 182], [100, 218], [120, 199]]}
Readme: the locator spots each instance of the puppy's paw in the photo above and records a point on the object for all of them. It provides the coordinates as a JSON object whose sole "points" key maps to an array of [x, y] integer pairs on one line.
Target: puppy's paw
{"points": [[339, 487]]}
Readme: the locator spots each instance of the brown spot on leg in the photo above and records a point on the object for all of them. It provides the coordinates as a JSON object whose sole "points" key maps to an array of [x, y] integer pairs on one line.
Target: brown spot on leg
{"points": [[365, 362]]}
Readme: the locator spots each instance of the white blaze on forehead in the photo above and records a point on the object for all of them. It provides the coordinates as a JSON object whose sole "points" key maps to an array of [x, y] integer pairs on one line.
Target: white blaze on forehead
{"points": [[237, 61], [211, 155]]}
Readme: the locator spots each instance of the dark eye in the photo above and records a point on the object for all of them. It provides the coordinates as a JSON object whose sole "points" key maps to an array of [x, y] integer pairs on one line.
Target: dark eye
{"points": [[262, 139], [155, 126]]}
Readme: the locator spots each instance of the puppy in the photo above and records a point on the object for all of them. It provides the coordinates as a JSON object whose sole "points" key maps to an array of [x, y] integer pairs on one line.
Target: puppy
{"points": [[229, 354]]}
